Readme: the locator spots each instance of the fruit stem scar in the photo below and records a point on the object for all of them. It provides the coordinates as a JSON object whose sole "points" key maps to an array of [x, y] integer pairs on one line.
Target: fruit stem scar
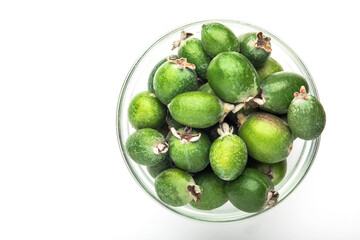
{"points": [[245, 104], [269, 172], [186, 136], [272, 198], [224, 129], [241, 118], [302, 94], [162, 147], [183, 36], [181, 63], [195, 191], [263, 42], [227, 108]]}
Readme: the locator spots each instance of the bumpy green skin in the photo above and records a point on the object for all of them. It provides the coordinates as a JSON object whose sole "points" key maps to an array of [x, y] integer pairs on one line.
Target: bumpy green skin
{"points": [[232, 77], [206, 88], [160, 167], [153, 71], [170, 81], [192, 50], [171, 187], [278, 170], [146, 111], [306, 118], [249, 191], [196, 109], [267, 137], [228, 157], [190, 156], [271, 66], [217, 38], [140, 146], [278, 90], [214, 194], [257, 56]]}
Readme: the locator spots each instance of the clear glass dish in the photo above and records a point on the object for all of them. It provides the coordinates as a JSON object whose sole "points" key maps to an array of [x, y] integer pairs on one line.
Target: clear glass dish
{"points": [[299, 161]]}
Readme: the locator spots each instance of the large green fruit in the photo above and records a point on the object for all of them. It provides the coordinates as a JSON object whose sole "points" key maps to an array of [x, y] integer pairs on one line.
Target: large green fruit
{"points": [[278, 90], [176, 187], [217, 38], [275, 171], [146, 111], [271, 66], [153, 71], [160, 167], [232, 77], [267, 137], [252, 191]]}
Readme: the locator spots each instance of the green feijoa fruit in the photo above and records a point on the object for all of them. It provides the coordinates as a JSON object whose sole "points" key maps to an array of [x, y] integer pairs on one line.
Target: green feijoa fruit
{"points": [[176, 187], [198, 109], [306, 116], [192, 50], [206, 88], [160, 167], [268, 138], [147, 147], [275, 171], [153, 71], [255, 47], [174, 77], [214, 194], [228, 154], [271, 66], [189, 149], [278, 91], [232, 77], [146, 111], [217, 38], [252, 191]]}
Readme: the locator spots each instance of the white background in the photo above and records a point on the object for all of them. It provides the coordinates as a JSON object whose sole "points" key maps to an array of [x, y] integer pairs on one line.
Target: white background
{"points": [[62, 64]]}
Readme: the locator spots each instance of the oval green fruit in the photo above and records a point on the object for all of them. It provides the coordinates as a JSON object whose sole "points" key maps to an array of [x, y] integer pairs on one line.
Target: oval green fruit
{"points": [[267, 137], [217, 38], [271, 66], [189, 149], [306, 117], [192, 50], [232, 77], [160, 167], [252, 191], [278, 91], [153, 71], [214, 194], [176, 187], [146, 111], [275, 171], [255, 47], [147, 147], [228, 155], [172, 79]]}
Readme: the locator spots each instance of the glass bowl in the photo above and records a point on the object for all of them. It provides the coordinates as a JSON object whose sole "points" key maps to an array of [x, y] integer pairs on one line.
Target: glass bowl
{"points": [[299, 161]]}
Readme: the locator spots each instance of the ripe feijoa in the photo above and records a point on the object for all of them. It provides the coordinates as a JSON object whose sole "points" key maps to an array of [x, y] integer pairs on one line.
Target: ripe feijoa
{"points": [[271, 66], [146, 111], [255, 47], [252, 191], [198, 109], [214, 194], [158, 168], [174, 77], [176, 187], [189, 149], [232, 77], [147, 147], [306, 116], [217, 38], [268, 138], [278, 91], [275, 171], [228, 154], [153, 71]]}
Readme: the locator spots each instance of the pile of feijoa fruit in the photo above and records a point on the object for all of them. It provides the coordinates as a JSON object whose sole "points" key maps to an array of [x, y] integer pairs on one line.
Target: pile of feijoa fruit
{"points": [[219, 120]]}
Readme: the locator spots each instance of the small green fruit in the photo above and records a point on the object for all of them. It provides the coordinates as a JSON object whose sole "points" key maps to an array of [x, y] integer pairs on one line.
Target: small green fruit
{"points": [[160, 167], [146, 111], [176, 187], [153, 71], [214, 194], [252, 191], [275, 171], [147, 147], [217, 38], [271, 66]]}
